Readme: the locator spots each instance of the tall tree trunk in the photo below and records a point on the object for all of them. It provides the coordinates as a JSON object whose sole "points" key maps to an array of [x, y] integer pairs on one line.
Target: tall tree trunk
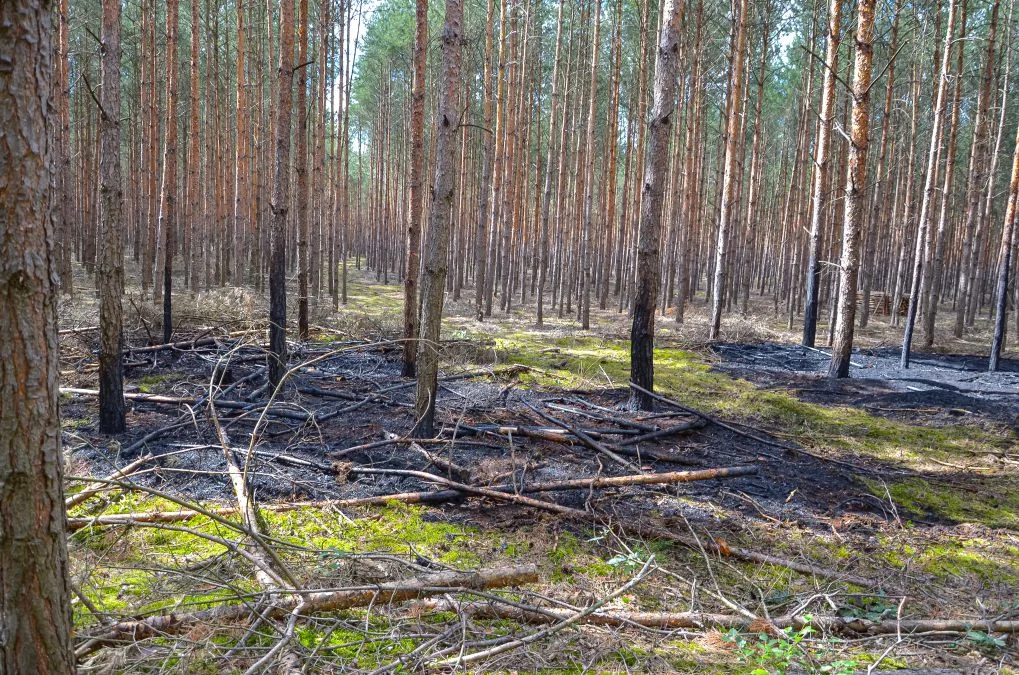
{"points": [[931, 281], [978, 161], [550, 167], [729, 178], [235, 269], [281, 200], [168, 191], [487, 160], [877, 203], [818, 205], [110, 268], [65, 229], [417, 171], [194, 209], [35, 602], [656, 170], [856, 183], [923, 225], [301, 160], [1005, 260], [438, 223], [585, 279]]}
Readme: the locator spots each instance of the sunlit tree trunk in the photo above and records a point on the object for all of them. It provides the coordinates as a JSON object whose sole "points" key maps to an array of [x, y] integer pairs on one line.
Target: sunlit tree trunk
{"points": [[168, 191], [923, 225], [856, 184], [820, 185], [301, 203], [642, 332], [435, 263]]}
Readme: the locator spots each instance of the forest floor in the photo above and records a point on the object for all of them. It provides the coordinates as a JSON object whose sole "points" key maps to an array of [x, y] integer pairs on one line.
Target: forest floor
{"points": [[854, 505]]}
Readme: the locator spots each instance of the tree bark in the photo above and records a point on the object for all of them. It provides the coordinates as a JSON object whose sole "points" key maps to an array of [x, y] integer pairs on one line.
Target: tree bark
{"points": [[301, 203], [656, 169], [110, 268], [923, 225], [1005, 261], [281, 200], [438, 223], [729, 177], [35, 604], [820, 184], [417, 171], [856, 183]]}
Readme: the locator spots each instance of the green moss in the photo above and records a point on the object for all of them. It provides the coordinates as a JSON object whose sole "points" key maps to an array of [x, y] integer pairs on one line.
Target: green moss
{"points": [[147, 383], [995, 505]]}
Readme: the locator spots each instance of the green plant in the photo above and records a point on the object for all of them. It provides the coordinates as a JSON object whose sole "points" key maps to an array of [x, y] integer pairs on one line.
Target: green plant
{"points": [[776, 655]]}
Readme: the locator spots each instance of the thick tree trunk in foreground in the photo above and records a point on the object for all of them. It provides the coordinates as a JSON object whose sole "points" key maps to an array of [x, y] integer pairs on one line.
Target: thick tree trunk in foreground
{"points": [[281, 200], [417, 174], [656, 169], [35, 603], [434, 282], [856, 183], [1005, 260], [110, 269], [818, 204]]}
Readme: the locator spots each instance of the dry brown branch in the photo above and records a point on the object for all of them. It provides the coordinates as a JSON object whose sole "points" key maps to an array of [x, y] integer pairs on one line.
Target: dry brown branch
{"points": [[705, 620]]}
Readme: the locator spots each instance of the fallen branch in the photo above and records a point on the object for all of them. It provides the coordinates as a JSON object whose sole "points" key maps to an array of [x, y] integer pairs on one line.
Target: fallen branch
{"points": [[662, 433], [96, 488], [177, 400], [314, 602], [586, 439], [705, 620], [708, 418], [452, 469], [422, 497], [569, 620]]}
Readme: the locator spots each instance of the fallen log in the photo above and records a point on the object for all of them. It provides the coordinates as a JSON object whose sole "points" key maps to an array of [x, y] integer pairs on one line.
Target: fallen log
{"points": [[312, 602], [705, 620]]}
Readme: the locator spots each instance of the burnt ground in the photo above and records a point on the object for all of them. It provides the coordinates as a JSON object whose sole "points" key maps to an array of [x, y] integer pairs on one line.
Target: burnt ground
{"points": [[353, 395], [189, 461], [940, 389]]}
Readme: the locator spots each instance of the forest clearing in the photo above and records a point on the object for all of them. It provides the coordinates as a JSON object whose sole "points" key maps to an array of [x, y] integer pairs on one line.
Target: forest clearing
{"points": [[509, 335]]}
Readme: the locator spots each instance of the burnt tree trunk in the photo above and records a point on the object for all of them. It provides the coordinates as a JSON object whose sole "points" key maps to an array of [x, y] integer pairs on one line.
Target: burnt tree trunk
{"points": [[281, 200], [110, 255], [656, 169]]}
